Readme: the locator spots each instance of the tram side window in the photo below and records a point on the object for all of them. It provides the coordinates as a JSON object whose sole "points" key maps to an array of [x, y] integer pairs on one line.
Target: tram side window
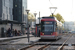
{"points": [[56, 27], [42, 28]]}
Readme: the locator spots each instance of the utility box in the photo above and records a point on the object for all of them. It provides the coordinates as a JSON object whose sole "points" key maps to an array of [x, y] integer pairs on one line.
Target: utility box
{"points": [[38, 29], [3, 34]]}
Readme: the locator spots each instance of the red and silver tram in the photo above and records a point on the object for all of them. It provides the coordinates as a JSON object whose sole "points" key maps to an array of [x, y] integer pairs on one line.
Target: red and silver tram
{"points": [[51, 28]]}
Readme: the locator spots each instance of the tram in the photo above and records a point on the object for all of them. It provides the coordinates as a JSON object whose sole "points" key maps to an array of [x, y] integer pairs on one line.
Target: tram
{"points": [[51, 28]]}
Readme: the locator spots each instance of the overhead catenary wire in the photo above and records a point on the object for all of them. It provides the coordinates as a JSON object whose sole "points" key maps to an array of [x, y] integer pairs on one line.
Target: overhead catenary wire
{"points": [[72, 7], [50, 2]]}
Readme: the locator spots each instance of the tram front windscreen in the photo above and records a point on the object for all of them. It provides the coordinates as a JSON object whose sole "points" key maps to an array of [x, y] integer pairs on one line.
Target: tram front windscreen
{"points": [[47, 27]]}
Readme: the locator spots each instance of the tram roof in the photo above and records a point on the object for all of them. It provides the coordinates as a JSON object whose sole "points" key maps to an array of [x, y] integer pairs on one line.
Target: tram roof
{"points": [[48, 19]]}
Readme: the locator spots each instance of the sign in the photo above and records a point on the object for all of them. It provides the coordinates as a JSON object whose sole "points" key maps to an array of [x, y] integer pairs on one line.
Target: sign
{"points": [[48, 23]]}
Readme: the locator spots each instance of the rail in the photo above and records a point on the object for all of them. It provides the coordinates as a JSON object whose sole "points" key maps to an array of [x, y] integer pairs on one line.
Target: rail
{"points": [[61, 47], [35, 46], [43, 47]]}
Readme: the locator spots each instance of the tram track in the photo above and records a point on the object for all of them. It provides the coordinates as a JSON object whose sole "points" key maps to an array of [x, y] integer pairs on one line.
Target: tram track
{"points": [[46, 45], [35, 47], [62, 46]]}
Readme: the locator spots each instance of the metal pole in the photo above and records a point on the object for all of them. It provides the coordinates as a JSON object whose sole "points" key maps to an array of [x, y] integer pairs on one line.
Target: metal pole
{"points": [[39, 17], [64, 26], [52, 14], [67, 27], [27, 27], [39, 22], [11, 27], [22, 28], [31, 23], [35, 24]]}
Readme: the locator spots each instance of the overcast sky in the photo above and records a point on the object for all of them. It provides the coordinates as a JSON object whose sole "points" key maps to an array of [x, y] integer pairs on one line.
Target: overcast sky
{"points": [[65, 7]]}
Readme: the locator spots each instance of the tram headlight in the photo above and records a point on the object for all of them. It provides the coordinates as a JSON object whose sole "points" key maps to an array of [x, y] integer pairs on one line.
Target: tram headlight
{"points": [[43, 33], [51, 33]]}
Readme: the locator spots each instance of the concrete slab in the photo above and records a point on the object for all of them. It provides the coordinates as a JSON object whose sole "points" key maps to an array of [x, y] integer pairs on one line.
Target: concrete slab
{"points": [[15, 37], [69, 47], [25, 40]]}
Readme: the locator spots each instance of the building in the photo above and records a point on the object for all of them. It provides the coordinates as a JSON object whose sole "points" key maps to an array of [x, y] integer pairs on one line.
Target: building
{"points": [[24, 7], [19, 13], [19, 7], [12, 15], [6, 7], [69, 26]]}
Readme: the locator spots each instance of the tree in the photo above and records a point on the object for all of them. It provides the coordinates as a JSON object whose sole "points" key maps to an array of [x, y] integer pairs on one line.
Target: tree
{"points": [[62, 20], [59, 17], [31, 18]]}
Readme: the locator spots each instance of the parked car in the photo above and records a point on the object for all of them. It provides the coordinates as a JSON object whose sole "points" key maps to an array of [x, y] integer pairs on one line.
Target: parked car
{"points": [[69, 31], [73, 32]]}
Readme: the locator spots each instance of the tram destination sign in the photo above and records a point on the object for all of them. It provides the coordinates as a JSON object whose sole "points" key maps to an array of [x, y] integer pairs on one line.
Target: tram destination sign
{"points": [[48, 22]]}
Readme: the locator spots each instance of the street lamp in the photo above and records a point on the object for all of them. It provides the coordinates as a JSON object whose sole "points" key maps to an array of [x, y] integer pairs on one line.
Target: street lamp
{"points": [[27, 25], [53, 10], [35, 21], [35, 17], [35, 14]]}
